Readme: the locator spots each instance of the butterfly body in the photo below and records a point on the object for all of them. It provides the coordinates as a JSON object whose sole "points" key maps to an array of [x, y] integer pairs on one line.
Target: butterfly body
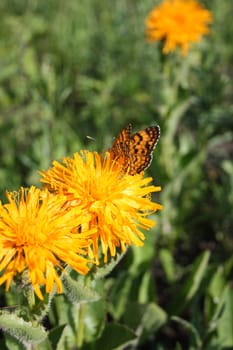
{"points": [[134, 152]]}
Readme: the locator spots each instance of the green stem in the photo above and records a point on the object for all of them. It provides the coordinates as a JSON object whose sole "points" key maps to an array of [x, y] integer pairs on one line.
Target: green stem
{"points": [[81, 328], [31, 298], [81, 318]]}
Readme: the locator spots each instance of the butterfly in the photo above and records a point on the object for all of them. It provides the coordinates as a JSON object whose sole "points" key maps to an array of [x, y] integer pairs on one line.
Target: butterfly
{"points": [[134, 152]]}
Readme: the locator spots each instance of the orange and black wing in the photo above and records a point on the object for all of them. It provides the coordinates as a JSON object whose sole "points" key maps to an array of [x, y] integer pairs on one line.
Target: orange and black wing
{"points": [[121, 146], [141, 147]]}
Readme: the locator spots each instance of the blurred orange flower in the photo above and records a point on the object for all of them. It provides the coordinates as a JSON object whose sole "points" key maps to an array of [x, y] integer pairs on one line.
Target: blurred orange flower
{"points": [[178, 23]]}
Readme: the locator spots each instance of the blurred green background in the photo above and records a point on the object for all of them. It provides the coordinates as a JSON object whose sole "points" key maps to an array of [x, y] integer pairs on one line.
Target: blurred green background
{"points": [[73, 69]]}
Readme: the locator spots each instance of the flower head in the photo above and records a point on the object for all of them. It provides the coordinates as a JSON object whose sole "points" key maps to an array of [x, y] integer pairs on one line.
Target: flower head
{"points": [[36, 236], [178, 23], [118, 203]]}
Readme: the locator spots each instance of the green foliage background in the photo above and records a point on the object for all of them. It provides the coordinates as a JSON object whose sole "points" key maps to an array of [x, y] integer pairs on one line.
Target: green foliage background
{"points": [[72, 69]]}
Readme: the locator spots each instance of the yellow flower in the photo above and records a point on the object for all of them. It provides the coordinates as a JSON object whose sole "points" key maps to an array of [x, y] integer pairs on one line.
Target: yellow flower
{"points": [[118, 203], [178, 23], [35, 236]]}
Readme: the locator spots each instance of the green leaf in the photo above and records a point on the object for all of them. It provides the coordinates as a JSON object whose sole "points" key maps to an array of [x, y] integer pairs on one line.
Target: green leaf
{"points": [[115, 337], [168, 264], [143, 255], [144, 319], [153, 318], [197, 275], [21, 330], [77, 292], [225, 323], [168, 143], [190, 327], [119, 295], [176, 114], [12, 343], [217, 283], [213, 295], [55, 335], [144, 287], [95, 319], [94, 314], [192, 284]]}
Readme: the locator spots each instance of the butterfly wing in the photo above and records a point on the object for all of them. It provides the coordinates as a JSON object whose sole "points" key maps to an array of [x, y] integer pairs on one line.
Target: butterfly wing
{"points": [[141, 147], [120, 147]]}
